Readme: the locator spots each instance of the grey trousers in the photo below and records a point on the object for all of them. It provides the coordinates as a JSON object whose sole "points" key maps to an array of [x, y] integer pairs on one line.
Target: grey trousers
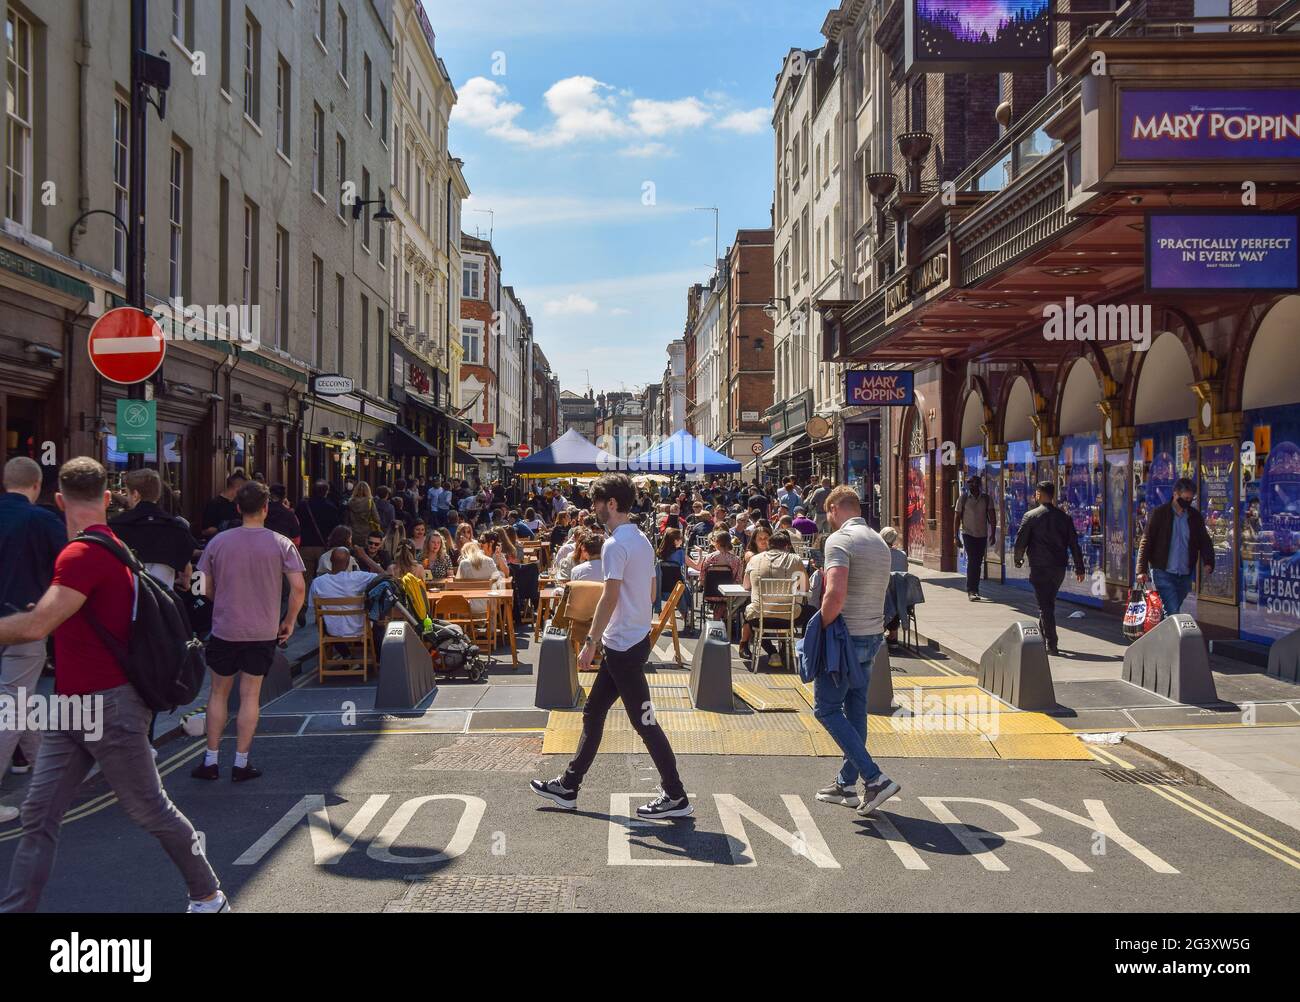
{"points": [[126, 760], [20, 671]]}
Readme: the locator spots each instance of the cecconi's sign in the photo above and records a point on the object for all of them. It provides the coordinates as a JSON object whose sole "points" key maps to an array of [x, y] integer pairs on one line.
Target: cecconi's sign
{"points": [[331, 386]]}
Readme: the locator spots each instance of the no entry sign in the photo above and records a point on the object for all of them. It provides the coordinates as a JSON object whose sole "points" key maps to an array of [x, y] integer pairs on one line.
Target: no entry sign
{"points": [[126, 345], [524, 452]]}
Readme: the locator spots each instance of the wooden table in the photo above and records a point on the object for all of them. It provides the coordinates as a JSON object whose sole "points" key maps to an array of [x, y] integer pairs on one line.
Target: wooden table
{"points": [[504, 600], [735, 596], [546, 601]]}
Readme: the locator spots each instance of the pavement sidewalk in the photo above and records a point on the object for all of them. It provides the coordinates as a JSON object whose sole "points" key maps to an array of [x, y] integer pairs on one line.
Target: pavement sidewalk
{"points": [[1258, 766]]}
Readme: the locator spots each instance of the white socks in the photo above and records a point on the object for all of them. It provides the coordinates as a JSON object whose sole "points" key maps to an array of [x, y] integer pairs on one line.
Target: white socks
{"points": [[241, 760], [210, 757]]}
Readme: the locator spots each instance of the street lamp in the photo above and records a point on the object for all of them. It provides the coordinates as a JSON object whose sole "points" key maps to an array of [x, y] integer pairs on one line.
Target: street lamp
{"points": [[772, 310], [382, 216]]}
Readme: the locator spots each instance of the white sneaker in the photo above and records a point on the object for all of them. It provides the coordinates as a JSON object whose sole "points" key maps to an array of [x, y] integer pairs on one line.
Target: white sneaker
{"points": [[218, 904], [8, 814]]}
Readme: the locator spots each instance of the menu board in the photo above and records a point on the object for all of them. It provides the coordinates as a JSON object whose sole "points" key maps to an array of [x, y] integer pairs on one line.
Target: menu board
{"points": [[1270, 531], [1119, 508], [918, 489], [1218, 506]]}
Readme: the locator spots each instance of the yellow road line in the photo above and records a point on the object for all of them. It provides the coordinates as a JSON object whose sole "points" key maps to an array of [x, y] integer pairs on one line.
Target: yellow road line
{"points": [[1186, 801], [931, 662]]}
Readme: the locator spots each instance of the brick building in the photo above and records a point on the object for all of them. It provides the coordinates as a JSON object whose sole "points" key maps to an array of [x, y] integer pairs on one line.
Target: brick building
{"points": [[750, 354]]}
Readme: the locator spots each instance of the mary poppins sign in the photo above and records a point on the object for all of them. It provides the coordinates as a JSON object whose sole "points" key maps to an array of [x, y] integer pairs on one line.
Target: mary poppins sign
{"points": [[879, 388], [1210, 124]]}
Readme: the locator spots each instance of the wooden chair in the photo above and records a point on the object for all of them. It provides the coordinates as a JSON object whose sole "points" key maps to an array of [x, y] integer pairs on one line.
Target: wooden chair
{"points": [[349, 666], [668, 620], [456, 609], [577, 609], [778, 603]]}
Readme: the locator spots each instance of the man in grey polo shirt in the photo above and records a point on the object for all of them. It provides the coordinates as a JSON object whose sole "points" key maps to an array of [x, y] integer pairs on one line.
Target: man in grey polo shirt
{"points": [[857, 576]]}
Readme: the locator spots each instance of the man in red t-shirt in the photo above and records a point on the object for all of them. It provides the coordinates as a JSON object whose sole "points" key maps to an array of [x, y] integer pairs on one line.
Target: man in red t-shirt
{"points": [[112, 729]]}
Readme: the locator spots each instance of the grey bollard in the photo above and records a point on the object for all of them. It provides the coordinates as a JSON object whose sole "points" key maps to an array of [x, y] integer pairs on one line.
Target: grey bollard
{"points": [[880, 690], [1016, 670], [1172, 661], [557, 672], [711, 672], [278, 681], [1284, 658], [406, 675]]}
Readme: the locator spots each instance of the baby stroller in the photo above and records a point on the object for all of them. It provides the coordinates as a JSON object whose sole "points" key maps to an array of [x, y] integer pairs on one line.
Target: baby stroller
{"points": [[452, 652]]}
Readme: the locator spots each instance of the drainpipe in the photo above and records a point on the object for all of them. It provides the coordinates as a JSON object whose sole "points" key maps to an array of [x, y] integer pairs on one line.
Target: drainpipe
{"points": [[83, 121]]}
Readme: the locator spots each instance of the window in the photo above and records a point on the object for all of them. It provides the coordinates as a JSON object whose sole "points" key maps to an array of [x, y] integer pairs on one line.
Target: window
{"points": [[383, 114], [340, 312], [121, 198], [365, 341], [225, 46], [223, 240], [472, 284], [471, 339], [804, 245], [340, 168], [383, 244], [318, 150], [249, 274], [283, 108], [176, 225], [281, 318], [367, 88], [183, 22], [18, 120], [318, 309], [343, 44], [406, 183], [321, 33], [365, 215], [380, 329], [252, 68]]}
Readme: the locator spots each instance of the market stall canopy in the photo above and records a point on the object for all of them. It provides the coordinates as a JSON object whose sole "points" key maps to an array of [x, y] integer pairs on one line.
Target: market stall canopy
{"points": [[683, 453], [570, 455]]}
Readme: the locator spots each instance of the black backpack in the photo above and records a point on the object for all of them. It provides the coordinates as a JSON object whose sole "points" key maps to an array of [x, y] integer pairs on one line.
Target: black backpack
{"points": [[163, 659]]}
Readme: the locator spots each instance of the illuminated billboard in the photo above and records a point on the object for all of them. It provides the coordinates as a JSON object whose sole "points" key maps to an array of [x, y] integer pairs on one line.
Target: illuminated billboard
{"points": [[1198, 252], [977, 36]]}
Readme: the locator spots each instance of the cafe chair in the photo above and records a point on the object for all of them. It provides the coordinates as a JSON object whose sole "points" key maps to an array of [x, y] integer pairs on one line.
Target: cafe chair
{"points": [[348, 664], [779, 604], [715, 578], [671, 575], [456, 609]]}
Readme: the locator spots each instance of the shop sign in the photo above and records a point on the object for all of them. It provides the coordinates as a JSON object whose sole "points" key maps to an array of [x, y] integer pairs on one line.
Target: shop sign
{"points": [[879, 388], [1195, 251], [137, 426], [419, 379], [931, 275], [1220, 124], [23, 267], [976, 36], [486, 433], [331, 386], [898, 297]]}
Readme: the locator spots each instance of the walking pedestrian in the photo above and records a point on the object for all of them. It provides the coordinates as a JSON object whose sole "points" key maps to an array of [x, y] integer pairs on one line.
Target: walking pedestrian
{"points": [[1048, 535], [30, 541], [623, 623], [977, 526], [242, 570], [1175, 542], [856, 578], [318, 517], [221, 509], [91, 587]]}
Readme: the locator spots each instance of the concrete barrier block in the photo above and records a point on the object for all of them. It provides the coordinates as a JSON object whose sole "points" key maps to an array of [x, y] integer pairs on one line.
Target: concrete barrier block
{"points": [[406, 675], [711, 671], [557, 672], [1172, 661], [1284, 658], [880, 690], [1016, 670]]}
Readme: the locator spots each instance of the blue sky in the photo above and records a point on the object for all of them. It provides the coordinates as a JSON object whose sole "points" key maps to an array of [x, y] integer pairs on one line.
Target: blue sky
{"points": [[597, 99]]}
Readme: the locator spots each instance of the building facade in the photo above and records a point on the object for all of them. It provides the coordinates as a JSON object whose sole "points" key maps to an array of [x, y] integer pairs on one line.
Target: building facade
{"points": [[748, 378]]}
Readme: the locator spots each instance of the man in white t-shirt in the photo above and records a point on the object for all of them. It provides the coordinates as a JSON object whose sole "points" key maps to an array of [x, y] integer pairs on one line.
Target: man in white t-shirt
{"points": [[623, 622], [341, 582]]}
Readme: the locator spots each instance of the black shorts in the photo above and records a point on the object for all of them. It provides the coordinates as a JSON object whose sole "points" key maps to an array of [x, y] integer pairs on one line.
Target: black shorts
{"points": [[228, 658]]}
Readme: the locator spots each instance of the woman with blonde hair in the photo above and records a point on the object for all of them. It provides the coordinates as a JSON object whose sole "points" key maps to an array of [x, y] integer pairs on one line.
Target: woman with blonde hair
{"points": [[407, 561], [476, 565], [437, 558], [451, 547], [464, 534], [362, 515]]}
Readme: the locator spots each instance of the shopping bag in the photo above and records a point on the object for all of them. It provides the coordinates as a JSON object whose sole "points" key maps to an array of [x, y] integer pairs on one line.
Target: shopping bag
{"points": [[1135, 615], [1155, 611]]}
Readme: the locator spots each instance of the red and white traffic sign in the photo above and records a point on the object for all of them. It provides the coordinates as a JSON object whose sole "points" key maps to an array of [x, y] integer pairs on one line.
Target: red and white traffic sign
{"points": [[524, 452], [126, 345]]}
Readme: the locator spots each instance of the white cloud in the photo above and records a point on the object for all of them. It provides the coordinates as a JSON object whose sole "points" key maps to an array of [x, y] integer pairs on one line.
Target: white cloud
{"points": [[747, 122], [620, 312], [646, 150], [658, 118], [583, 108], [482, 106], [571, 305]]}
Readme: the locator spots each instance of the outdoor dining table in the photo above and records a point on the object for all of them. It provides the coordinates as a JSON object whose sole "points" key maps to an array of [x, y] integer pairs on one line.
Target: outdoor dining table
{"points": [[503, 598]]}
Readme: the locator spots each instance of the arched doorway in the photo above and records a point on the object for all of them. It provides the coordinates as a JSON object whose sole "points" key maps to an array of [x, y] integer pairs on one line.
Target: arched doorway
{"points": [[1270, 481], [974, 462], [1020, 471], [1080, 472]]}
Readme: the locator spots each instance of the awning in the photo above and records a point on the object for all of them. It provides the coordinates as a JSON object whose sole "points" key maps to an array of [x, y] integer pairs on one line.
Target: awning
{"points": [[786, 446], [407, 444], [463, 458]]}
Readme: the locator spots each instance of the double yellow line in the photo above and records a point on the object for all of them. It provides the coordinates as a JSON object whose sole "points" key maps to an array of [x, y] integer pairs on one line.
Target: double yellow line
{"points": [[1183, 799], [97, 804]]}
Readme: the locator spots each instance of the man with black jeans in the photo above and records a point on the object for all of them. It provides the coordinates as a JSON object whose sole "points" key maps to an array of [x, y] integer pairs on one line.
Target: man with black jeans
{"points": [[977, 526], [623, 622], [1047, 533]]}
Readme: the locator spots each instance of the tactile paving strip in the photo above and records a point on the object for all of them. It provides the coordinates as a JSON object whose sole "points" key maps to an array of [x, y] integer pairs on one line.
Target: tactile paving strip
{"points": [[767, 743], [1042, 747], [934, 681], [930, 746], [1015, 723], [768, 700]]}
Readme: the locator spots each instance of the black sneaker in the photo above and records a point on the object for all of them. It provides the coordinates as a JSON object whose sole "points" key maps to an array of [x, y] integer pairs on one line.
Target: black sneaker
{"points": [[746, 653], [248, 772], [556, 792], [19, 765], [665, 806], [208, 772], [845, 796], [973, 597], [876, 793], [1054, 650]]}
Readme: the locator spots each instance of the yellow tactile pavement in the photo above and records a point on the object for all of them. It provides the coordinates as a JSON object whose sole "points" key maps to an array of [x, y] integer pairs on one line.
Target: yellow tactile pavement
{"points": [[938, 717]]}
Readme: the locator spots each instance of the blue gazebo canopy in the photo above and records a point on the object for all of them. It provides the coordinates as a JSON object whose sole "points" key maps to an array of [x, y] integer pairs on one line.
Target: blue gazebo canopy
{"points": [[683, 453], [569, 455]]}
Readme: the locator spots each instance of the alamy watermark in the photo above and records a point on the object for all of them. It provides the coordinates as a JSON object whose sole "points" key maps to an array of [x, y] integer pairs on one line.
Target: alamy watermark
{"points": [[181, 321], [33, 711], [1073, 322]]}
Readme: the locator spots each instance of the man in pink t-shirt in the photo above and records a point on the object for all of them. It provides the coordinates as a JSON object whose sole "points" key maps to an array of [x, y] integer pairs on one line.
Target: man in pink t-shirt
{"points": [[242, 573]]}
